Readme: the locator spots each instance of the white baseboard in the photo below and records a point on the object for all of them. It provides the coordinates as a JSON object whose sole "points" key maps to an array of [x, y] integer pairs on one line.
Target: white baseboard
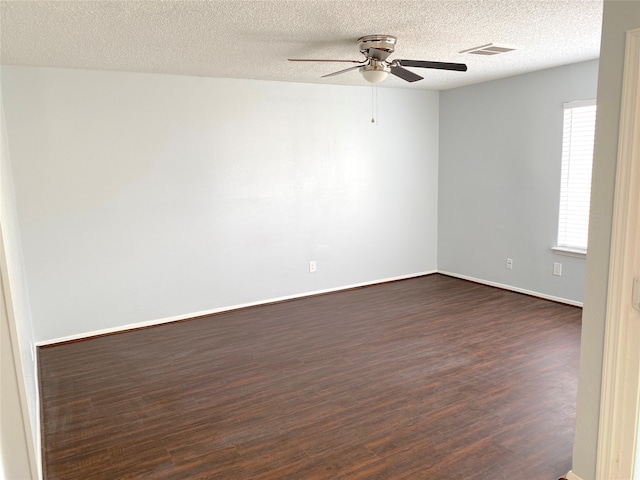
{"points": [[513, 289], [151, 323], [572, 476]]}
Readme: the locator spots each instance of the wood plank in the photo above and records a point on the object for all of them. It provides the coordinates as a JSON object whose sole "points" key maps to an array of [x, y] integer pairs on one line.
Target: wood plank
{"points": [[432, 377]]}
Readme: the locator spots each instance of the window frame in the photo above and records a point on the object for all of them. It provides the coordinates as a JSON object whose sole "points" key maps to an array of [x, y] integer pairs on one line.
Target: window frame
{"points": [[565, 248]]}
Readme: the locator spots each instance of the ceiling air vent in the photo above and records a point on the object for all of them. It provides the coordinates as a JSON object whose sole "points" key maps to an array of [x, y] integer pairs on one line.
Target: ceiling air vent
{"points": [[488, 49]]}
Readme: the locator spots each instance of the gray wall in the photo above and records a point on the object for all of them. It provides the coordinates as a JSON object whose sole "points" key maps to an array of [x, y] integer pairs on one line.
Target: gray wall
{"points": [[142, 197], [499, 179], [618, 18]]}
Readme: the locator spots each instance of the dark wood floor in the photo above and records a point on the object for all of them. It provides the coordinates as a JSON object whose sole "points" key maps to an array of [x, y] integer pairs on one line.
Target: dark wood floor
{"points": [[428, 378]]}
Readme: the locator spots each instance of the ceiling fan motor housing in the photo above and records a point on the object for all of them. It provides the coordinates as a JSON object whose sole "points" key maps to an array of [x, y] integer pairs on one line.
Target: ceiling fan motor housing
{"points": [[382, 45]]}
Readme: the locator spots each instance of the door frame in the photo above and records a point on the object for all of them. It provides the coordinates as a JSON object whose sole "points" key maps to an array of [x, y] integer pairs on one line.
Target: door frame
{"points": [[619, 404]]}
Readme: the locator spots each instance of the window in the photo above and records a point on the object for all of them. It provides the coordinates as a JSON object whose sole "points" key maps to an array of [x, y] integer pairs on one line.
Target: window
{"points": [[575, 188]]}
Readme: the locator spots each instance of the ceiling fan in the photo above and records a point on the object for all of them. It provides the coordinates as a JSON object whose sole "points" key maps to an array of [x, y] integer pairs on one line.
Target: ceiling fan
{"points": [[375, 67]]}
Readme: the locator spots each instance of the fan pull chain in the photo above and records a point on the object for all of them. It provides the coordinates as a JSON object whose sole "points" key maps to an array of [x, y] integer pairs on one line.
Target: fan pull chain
{"points": [[374, 103]]}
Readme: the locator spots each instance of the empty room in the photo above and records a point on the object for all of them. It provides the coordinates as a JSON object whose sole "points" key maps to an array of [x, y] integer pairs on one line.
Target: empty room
{"points": [[315, 239]]}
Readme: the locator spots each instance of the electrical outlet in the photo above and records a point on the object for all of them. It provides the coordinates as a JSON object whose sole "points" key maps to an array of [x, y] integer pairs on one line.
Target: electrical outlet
{"points": [[557, 269], [312, 266], [510, 263]]}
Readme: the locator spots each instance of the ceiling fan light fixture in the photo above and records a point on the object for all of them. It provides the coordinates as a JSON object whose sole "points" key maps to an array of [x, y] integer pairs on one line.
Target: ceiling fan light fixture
{"points": [[375, 73]]}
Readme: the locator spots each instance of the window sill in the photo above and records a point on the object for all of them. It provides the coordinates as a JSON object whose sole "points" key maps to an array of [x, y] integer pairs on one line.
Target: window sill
{"points": [[570, 252]]}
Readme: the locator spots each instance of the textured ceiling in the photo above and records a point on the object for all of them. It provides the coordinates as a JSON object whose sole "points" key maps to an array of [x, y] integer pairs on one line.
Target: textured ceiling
{"points": [[253, 39]]}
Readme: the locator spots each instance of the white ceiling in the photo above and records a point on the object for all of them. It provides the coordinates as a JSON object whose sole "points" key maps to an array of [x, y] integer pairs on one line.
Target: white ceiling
{"points": [[253, 39]]}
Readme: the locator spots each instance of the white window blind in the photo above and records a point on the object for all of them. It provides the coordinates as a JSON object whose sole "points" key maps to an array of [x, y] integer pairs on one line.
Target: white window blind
{"points": [[575, 188]]}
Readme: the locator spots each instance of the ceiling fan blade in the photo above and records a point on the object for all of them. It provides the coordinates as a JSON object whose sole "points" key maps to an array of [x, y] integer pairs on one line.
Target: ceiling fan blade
{"points": [[405, 74], [343, 71], [322, 60], [459, 67]]}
